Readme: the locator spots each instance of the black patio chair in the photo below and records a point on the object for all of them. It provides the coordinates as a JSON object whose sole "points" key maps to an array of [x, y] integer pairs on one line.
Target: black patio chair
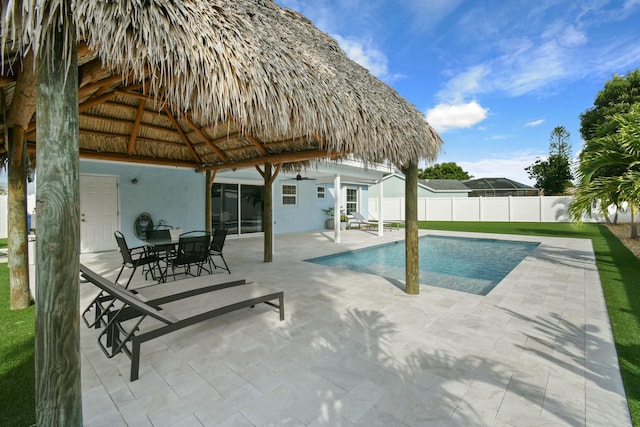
{"points": [[193, 251], [215, 249], [134, 258]]}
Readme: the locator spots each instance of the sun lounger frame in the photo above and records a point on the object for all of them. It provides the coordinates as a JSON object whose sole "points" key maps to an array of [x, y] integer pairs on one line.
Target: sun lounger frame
{"points": [[115, 336]]}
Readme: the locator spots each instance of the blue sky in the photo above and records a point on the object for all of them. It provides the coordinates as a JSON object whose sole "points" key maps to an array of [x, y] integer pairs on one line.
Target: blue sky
{"points": [[493, 77]]}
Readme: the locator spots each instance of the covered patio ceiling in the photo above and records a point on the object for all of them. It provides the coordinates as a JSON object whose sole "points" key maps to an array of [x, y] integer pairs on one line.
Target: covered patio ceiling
{"points": [[221, 85]]}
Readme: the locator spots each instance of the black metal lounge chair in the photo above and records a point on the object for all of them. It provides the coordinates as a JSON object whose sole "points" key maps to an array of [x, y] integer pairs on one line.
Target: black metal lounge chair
{"points": [[173, 306], [134, 258]]}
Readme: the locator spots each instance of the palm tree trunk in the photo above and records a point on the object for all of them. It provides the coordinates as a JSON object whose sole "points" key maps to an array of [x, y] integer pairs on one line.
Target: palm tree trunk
{"points": [[634, 223]]}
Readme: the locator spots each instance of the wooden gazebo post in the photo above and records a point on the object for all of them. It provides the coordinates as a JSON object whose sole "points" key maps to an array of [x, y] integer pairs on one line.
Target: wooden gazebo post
{"points": [[269, 175], [17, 220], [57, 338], [22, 109], [411, 229], [209, 177]]}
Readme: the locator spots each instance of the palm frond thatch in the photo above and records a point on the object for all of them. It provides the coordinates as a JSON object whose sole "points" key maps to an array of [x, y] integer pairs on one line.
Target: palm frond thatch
{"points": [[213, 84]]}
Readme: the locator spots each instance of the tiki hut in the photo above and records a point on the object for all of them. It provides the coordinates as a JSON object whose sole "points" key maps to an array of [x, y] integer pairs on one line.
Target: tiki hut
{"points": [[214, 85], [203, 84]]}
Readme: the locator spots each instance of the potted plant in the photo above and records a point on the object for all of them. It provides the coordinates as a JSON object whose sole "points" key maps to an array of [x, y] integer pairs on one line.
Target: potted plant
{"points": [[344, 221], [329, 213]]}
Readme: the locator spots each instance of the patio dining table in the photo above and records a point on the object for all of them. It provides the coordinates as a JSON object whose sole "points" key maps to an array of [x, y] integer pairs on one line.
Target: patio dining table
{"points": [[166, 245]]}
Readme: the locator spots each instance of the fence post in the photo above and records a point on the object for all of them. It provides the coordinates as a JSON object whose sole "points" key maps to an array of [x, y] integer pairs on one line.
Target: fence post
{"points": [[540, 208]]}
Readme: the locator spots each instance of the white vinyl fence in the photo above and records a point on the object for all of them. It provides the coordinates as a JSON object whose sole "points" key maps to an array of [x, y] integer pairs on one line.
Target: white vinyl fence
{"points": [[486, 209], [494, 209]]}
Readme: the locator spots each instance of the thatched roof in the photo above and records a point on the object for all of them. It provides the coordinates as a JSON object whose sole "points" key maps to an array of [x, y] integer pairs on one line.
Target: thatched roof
{"points": [[217, 84]]}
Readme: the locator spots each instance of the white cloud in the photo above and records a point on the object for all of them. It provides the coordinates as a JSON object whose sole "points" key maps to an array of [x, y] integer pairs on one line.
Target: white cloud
{"points": [[451, 116], [499, 137], [365, 53], [572, 38], [535, 123], [464, 84], [428, 14], [630, 4], [533, 62]]}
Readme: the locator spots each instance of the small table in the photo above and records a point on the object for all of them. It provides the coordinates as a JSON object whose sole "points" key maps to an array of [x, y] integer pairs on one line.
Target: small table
{"points": [[168, 245]]}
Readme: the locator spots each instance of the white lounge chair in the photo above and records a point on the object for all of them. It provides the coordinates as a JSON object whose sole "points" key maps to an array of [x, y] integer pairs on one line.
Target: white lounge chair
{"points": [[360, 220]]}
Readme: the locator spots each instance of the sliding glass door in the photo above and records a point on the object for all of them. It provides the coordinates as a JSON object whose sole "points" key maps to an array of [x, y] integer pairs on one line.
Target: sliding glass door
{"points": [[237, 207]]}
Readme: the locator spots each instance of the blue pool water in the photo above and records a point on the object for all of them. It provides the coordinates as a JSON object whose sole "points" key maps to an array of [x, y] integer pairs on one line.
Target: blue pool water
{"points": [[462, 264]]}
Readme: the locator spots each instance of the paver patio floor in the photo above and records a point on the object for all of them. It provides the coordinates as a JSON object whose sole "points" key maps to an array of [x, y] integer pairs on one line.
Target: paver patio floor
{"points": [[354, 349]]}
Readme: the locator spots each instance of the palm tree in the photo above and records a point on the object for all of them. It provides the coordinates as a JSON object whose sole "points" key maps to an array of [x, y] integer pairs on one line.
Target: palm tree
{"points": [[617, 152]]}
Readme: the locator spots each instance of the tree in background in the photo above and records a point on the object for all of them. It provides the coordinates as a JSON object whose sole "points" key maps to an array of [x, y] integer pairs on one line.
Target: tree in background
{"points": [[448, 170], [618, 96], [618, 152], [553, 174]]}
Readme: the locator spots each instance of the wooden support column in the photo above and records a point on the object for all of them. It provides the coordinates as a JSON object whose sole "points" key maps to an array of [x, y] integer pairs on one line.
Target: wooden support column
{"points": [[269, 175], [57, 338], [268, 213], [411, 229], [337, 195], [380, 205], [209, 177], [18, 260], [23, 107]]}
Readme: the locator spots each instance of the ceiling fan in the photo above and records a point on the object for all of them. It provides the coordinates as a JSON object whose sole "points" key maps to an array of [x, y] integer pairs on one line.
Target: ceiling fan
{"points": [[299, 177]]}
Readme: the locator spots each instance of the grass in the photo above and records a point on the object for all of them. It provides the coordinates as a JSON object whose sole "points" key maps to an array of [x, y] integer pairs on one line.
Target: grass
{"points": [[17, 375], [619, 273], [620, 276]]}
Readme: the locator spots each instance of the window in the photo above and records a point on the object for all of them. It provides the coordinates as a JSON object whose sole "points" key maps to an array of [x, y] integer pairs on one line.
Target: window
{"points": [[238, 215], [289, 194], [352, 200], [320, 192]]}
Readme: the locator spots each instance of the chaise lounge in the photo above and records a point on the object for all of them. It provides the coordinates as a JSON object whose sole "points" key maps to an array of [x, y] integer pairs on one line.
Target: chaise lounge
{"points": [[360, 220], [174, 306]]}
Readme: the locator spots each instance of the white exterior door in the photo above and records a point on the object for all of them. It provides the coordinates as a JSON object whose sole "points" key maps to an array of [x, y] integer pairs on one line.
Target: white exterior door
{"points": [[98, 212]]}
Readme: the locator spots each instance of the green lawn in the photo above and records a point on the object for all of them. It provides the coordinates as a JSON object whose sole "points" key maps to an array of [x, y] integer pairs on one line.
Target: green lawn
{"points": [[619, 273], [17, 377]]}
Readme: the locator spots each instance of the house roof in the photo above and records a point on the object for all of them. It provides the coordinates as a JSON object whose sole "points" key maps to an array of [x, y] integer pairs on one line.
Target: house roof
{"points": [[444, 185], [495, 184], [211, 85]]}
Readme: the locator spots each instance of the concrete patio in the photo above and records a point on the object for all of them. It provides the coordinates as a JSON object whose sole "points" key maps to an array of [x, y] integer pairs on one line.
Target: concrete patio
{"points": [[354, 349]]}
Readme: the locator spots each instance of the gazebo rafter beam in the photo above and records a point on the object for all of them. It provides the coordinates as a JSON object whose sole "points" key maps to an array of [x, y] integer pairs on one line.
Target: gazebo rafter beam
{"points": [[205, 138], [298, 156], [257, 143], [121, 157], [183, 137], [91, 87], [92, 102], [136, 127]]}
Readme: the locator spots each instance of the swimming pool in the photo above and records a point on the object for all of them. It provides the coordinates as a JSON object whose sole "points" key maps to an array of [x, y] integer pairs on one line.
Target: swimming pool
{"points": [[459, 263]]}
